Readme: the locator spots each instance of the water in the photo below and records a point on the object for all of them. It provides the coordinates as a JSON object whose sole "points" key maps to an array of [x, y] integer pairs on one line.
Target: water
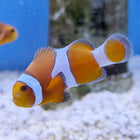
{"points": [[102, 115]]}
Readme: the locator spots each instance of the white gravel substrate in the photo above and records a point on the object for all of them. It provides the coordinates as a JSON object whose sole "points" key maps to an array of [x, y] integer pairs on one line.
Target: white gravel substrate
{"points": [[102, 116]]}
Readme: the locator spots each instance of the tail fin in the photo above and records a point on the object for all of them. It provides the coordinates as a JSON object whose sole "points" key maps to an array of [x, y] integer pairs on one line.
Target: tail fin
{"points": [[116, 49]]}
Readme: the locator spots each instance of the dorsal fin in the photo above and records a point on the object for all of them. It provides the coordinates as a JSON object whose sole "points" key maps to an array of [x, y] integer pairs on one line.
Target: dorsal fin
{"points": [[43, 51], [88, 44]]}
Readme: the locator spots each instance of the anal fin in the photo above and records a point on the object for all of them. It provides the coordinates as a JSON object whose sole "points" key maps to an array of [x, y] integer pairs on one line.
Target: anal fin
{"points": [[67, 96]]}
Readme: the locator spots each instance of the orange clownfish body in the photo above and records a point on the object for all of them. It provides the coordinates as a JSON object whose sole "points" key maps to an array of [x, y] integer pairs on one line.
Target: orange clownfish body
{"points": [[54, 70], [7, 33]]}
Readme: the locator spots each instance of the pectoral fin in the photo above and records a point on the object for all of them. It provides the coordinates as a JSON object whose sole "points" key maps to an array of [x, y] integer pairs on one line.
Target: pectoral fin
{"points": [[54, 92]]}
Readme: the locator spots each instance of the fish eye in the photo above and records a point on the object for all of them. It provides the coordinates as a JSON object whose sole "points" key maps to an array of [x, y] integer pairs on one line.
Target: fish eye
{"points": [[12, 30], [24, 88]]}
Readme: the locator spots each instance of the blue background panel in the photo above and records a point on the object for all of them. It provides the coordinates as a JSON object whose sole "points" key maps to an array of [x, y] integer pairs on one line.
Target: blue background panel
{"points": [[134, 24], [30, 17]]}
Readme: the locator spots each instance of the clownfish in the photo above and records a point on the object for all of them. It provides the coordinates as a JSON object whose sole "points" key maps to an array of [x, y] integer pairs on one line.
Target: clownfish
{"points": [[54, 70], [7, 33]]}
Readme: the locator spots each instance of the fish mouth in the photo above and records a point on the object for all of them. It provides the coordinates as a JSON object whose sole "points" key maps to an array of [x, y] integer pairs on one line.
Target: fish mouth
{"points": [[20, 102], [17, 102]]}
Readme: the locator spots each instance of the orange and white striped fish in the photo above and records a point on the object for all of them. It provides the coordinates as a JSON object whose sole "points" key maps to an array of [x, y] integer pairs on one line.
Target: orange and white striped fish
{"points": [[7, 33], [54, 70]]}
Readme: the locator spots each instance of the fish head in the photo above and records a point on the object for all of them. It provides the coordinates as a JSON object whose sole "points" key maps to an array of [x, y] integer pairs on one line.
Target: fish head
{"points": [[9, 34], [23, 95]]}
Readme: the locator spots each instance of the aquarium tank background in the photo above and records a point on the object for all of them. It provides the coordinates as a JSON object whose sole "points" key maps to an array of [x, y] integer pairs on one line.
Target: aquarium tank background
{"points": [[57, 23], [108, 110], [69, 20], [93, 20], [31, 19], [134, 24]]}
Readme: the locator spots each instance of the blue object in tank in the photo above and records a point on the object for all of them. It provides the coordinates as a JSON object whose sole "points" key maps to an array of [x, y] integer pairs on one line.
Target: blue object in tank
{"points": [[31, 19], [134, 24]]}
